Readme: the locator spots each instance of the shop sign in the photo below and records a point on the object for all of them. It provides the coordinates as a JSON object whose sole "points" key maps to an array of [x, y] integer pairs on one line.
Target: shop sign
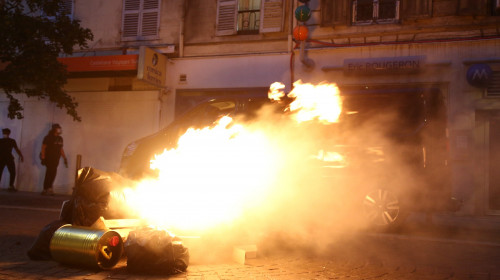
{"points": [[100, 63], [479, 75], [384, 65], [152, 66]]}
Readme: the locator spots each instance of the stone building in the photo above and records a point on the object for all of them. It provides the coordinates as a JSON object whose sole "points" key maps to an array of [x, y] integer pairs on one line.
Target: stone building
{"points": [[213, 47]]}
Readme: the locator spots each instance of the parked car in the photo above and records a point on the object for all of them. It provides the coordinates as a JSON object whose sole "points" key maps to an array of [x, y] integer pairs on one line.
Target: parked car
{"points": [[403, 169]]}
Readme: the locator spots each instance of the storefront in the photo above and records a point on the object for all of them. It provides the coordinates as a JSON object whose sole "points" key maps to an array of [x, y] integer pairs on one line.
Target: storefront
{"points": [[116, 108], [438, 67]]}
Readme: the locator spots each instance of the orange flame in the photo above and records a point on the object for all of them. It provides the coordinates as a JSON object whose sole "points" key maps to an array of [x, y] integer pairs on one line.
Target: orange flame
{"points": [[209, 179], [321, 102], [217, 173], [276, 91]]}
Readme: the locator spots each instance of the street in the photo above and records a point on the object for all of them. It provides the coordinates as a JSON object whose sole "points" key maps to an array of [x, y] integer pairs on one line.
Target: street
{"points": [[418, 251]]}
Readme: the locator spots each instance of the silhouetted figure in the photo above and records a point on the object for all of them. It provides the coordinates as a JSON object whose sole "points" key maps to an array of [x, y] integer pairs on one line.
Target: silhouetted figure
{"points": [[6, 157], [52, 150]]}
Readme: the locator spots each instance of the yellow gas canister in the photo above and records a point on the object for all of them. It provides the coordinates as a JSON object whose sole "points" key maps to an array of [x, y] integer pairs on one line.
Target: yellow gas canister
{"points": [[87, 247]]}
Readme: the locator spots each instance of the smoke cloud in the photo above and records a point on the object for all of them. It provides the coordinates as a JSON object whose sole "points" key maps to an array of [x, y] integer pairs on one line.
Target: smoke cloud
{"points": [[316, 191]]}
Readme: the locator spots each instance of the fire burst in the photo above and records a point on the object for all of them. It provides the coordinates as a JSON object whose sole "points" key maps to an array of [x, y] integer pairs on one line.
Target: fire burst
{"points": [[217, 173], [321, 102]]}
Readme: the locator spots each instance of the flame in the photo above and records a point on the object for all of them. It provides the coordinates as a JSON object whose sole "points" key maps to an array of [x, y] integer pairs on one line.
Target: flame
{"points": [[333, 158], [321, 102], [276, 91], [209, 179], [217, 173]]}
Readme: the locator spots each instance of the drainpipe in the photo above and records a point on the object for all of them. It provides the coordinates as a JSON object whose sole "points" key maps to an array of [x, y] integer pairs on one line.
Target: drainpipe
{"points": [[290, 26], [306, 62], [181, 28]]}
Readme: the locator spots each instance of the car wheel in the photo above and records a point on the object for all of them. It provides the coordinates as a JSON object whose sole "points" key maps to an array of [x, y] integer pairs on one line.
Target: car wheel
{"points": [[383, 209]]}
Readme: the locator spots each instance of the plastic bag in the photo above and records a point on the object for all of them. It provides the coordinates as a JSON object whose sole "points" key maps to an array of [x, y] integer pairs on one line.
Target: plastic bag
{"points": [[91, 197], [40, 250], [151, 251]]}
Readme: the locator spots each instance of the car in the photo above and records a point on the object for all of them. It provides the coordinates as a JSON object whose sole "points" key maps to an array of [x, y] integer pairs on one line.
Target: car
{"points": [[137, 155], [395, 162]]}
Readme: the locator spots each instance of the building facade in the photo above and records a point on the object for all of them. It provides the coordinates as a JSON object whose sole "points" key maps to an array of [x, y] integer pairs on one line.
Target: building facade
{"points": [[451, 47]]}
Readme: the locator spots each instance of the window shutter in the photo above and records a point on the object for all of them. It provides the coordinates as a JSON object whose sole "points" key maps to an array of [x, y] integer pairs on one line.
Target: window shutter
{"points": [[335, 12], [141, 19], [472, 7], [416, 8], [227, 13], [130, 25], [68, 8], [150, 18], [271, 16]]}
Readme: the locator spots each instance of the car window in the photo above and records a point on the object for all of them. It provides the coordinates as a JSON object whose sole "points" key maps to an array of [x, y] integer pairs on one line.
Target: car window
{"points": [[207, 114]]}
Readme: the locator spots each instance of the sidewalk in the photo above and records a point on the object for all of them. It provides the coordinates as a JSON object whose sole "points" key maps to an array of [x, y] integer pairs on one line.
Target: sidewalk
{"points": [[34, 200], [365, 257]]}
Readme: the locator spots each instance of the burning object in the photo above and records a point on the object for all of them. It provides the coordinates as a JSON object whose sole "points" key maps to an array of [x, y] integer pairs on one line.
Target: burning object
{"points": [[86, 247], [310, 102], [92, 199]]}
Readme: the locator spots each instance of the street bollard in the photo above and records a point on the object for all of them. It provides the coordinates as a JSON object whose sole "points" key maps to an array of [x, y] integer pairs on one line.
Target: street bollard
{"points": [[78, 166]]}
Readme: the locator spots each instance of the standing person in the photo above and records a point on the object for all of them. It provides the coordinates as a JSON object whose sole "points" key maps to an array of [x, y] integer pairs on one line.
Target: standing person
{"points": [[52, 150], [6, 158]]}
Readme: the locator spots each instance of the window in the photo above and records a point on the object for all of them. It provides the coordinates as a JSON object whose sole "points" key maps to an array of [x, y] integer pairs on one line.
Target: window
{"points": [[472, 7], [66, 9], [416, 9], [335, 12], [249, 16], [375, 11], [358, 12], [140, 20]]}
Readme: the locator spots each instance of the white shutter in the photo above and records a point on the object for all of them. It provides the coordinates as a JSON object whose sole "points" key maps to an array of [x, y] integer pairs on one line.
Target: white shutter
{"points": [[271, 16], [150, 18], [227, 13], [130, 19], [68, 8], [141, 19]]}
